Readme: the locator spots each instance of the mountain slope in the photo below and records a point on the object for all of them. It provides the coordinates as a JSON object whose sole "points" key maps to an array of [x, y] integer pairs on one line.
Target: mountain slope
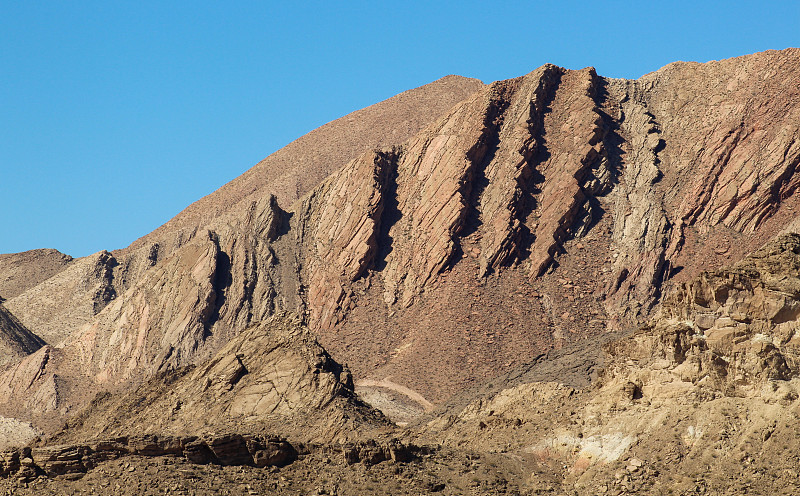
{"points": [[22, 271], [15, 340], [702, 399], [68, 299], [297, 168], [551, 208], [538, 212]]}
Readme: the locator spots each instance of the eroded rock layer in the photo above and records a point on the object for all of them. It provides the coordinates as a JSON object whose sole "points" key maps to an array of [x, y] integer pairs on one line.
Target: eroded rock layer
{"points": [[272, 378], [701, 399], [537, 212]]}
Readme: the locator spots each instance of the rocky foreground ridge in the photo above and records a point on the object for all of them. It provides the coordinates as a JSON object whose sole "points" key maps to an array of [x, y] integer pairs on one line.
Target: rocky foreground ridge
{"points": [[494, 237]]}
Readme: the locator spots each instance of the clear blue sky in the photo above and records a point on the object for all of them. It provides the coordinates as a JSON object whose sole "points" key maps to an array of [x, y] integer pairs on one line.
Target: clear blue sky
{"points": [[116, 115]]}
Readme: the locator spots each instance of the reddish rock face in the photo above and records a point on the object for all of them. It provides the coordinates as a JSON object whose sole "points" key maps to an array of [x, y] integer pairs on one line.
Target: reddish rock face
{"points": [[598, 191], [538, 211]]}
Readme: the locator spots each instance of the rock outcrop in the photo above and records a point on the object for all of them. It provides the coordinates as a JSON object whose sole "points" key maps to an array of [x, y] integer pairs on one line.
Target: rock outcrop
{"points": [[272, 378], [73, 461], [537, 212], [692, 401], [29, 388]]}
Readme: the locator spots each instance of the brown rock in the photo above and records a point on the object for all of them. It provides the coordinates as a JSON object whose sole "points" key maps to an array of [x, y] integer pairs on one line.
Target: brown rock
{"points": [[230, 449], [650, 169], [198, 452], [16, 341]]}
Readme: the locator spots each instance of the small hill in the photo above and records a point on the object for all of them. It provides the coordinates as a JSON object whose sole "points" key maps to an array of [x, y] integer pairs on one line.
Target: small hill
{"points": [[271, 379], [22, 271], [16, 341]]}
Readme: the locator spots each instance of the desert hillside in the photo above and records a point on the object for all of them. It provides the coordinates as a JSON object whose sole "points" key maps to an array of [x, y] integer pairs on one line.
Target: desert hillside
{"points": [[558, 283]]}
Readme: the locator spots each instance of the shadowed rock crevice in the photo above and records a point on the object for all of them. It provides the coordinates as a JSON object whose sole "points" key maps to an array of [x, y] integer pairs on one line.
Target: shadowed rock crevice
{"points": [[222, 280], [604, 170], [534, 152], [390, 215], [386, 211], [479, 156]]}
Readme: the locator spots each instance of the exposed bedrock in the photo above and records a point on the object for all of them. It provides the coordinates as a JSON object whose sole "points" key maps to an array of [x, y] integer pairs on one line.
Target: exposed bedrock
{"points": [[538, 211]]}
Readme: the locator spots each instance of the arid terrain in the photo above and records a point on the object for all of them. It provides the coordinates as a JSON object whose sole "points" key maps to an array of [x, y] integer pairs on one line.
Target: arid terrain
{"points": [[555, 284]]}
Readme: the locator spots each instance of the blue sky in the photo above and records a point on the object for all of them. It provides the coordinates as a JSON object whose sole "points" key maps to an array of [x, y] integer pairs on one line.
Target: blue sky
{"points": [[116, 115]]}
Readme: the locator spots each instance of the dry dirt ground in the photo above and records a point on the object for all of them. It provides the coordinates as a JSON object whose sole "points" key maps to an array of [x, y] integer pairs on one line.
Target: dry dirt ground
{"points": [[317, 473]]}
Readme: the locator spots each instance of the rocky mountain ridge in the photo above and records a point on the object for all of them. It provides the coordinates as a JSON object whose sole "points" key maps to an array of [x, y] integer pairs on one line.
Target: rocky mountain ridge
{"points": [[542, 213]]}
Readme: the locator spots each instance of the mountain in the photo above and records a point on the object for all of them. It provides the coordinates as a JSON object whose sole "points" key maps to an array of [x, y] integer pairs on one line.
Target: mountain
{"points": [[541, 272]]}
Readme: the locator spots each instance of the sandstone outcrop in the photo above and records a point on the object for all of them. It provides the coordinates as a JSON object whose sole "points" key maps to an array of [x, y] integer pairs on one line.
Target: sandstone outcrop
{"points": [[160, 323], [73, 461], [272, 378], [31, 388]]}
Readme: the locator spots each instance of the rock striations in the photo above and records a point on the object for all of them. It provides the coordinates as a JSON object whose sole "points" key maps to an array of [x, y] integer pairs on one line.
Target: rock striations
{"points": [[438, 239], [272, 378]]}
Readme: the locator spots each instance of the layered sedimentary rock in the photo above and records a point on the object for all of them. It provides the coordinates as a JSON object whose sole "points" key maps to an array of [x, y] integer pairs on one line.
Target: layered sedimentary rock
{"points": [[343, 224], [537, 212], [31, 390], [519, 175], [73, 461], [272, 378], [159, 324]]}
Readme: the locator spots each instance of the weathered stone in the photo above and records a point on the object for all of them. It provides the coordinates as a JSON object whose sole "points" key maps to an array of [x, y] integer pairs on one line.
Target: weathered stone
{"points": [[705, 320], [230, 449], [271, 452], [198, 452], [371, 452], [152, 445]]}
